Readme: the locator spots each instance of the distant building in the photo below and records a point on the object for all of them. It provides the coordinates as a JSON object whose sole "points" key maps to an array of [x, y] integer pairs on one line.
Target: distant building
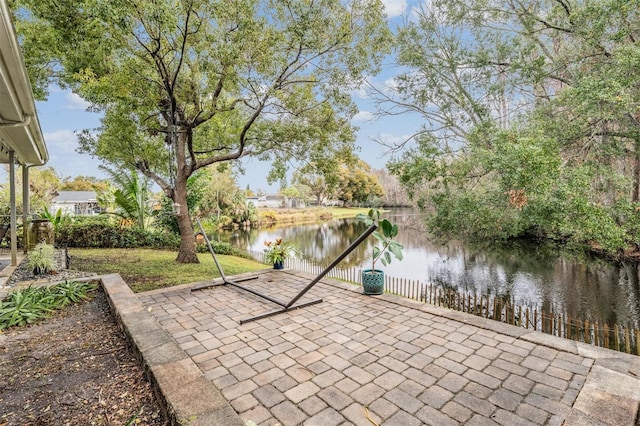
{"points": [[276, 202], [76, 203], [271, 201]]}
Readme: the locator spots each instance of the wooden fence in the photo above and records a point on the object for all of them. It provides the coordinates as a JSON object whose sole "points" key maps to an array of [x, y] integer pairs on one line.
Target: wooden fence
{"points": [[622, 338]]}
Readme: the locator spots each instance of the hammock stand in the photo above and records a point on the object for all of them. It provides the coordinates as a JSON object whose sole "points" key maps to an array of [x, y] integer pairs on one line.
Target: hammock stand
{"points": [[284, 306]]}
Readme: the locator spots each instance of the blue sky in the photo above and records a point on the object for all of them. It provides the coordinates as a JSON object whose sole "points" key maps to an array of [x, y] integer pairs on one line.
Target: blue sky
{"points": [[64, 113]]}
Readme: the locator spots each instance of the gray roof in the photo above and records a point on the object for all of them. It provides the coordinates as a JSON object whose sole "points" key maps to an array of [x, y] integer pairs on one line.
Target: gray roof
{"points": [[75, 196]]}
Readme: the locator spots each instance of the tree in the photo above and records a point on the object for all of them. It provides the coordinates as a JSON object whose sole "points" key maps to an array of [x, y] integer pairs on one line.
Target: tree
{"points": [[321, 179], [530, 112], [43, 188], [82, 183], [185, 84], [357, 185], [394, 193]]}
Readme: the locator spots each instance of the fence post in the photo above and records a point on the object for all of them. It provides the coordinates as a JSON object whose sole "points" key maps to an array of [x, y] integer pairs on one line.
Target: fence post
{"points": [[488, 307], [627, 341], [586, 330]]}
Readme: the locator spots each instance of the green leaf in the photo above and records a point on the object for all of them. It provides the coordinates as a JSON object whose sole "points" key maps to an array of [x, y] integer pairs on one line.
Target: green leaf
{"points": [[396, 249], [387, 228]]}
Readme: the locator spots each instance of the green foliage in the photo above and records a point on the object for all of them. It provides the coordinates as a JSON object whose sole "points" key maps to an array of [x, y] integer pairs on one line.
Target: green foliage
{"points": [[278, 251], [356, 184], [196, 191], [69, 292], [530, 119], [131, 196], [56, 219], [213, 196], [223, 247], [102, 232], [82, 183], [43, 186], [24, 306], [385, 235], [41, 258], [27, 305], [185, 85], [473, 215]]}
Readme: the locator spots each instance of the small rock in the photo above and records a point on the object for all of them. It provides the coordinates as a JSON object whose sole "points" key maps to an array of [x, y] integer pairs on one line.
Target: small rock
{"points": [[68, 399]]}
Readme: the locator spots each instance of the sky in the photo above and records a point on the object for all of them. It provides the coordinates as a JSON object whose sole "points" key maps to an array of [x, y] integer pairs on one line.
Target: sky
{"points": [[65, 113]]}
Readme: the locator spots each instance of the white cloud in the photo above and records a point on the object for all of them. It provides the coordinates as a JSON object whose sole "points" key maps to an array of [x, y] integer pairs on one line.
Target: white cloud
{"points": [[361, 92], [393, 140], [75, 102], [394, 8], [64, 159], [390, 85], [61, 142], [363, 116]]}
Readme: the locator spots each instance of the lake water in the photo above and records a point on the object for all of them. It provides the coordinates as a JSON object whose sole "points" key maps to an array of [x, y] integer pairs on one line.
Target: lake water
{"points": [[542, 276]]}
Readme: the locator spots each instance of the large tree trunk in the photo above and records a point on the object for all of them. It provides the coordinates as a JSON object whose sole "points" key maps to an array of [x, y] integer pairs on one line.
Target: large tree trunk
{"points": [[635, 194], [187, 251]]}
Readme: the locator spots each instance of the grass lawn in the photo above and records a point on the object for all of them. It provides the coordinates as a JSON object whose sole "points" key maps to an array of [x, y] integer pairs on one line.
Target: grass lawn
{"points": [[147, 269], [310, 214], [346, 212]]}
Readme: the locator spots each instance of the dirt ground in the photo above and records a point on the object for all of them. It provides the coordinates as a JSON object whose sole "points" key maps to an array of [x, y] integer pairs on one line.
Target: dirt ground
{"points": [[75, 368]]}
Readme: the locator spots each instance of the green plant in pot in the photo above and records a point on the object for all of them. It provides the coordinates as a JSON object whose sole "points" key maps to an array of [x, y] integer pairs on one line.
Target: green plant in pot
{"points": [[42, 259], [385, 250], [277, 252]]}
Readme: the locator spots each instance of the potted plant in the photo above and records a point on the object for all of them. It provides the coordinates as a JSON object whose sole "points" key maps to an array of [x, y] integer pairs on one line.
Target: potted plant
{"points": [[276, 252], [41, 259], [373, 279]]}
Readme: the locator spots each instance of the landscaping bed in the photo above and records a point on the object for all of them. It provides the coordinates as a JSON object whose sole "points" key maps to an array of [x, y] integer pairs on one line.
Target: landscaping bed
{"points": [[74, 368]]}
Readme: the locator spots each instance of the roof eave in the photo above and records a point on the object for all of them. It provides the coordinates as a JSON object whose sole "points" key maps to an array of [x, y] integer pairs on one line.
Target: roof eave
{"points": [[19, 125]]}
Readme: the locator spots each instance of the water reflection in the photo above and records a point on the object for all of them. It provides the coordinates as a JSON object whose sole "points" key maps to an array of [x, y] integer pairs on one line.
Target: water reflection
{"points": [[541, 276]]}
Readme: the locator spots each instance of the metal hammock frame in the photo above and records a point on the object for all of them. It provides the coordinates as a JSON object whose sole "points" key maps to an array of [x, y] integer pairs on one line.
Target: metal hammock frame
{"points": [[284, 306]]}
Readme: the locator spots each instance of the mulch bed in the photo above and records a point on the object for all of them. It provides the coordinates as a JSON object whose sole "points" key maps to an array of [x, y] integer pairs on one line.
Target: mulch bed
{"points": [[75, 368]]}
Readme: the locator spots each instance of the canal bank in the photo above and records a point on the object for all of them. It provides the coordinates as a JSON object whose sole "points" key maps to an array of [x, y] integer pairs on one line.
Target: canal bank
{"points": [[539, 277]]}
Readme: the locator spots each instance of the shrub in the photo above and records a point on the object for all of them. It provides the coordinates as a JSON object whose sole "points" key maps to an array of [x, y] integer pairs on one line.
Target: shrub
{"points": [[224, 248], [100, 232], [42, 258], [268, 217]]}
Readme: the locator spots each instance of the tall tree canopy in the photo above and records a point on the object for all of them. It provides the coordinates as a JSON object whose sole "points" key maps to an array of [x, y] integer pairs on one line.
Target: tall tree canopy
{"points": [[531, 115], [189, 83]]}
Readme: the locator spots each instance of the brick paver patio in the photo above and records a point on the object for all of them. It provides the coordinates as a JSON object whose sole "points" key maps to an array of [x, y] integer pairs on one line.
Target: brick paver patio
{"points": [[362, 360]]}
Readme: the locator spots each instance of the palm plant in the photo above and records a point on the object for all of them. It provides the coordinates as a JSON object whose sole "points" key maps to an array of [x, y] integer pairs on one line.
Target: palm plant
{"points": [[131, 196], [56, 219]]}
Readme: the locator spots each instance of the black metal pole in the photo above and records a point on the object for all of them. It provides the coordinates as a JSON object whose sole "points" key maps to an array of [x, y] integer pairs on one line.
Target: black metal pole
{"points": [[257, 293], [333, 264], [279, 311], [213, 254]]}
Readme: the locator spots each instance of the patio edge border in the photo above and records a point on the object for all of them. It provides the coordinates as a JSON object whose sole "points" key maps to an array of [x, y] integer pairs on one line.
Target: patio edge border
{"points": [[185, 395]]}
